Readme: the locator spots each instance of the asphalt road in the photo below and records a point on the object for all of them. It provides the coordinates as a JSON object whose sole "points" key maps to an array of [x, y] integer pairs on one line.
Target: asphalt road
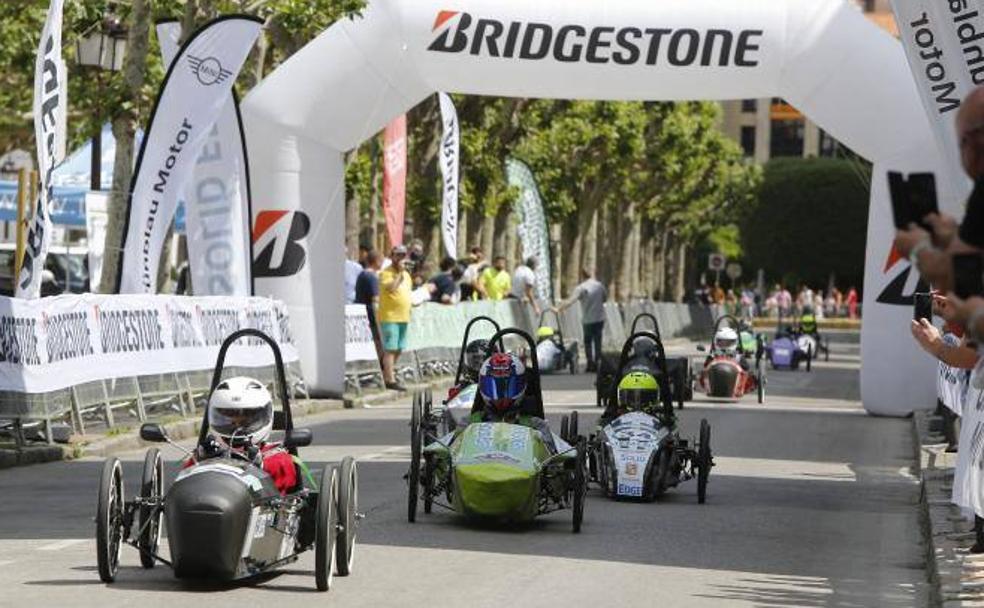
{"points": [[811, 504]]}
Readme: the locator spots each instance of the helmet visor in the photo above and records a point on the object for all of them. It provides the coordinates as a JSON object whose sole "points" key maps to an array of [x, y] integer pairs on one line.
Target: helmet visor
{"points": [[239, 420], [637, 398], [726, 343]]}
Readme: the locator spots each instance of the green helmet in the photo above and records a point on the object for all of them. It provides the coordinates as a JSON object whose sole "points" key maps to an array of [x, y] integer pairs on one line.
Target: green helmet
{"points": [[638, 390]]}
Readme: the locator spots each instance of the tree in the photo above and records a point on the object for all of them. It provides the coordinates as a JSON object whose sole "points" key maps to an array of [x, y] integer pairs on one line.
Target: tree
{"points": [[810, 222]]}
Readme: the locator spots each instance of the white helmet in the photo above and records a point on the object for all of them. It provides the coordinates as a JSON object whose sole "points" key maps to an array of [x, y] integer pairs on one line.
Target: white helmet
{"points": [[240, 411], [726, 339]]}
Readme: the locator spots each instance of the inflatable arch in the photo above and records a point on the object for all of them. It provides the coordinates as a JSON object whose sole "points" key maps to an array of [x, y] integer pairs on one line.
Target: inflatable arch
{"points": [[824, 56]]}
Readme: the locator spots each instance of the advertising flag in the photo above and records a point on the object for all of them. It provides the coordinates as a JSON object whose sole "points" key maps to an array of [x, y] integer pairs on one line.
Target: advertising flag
{"points": [[395, 177], [449, 158], [533, 235], [50, 102], [196, 88], [216, 198]]}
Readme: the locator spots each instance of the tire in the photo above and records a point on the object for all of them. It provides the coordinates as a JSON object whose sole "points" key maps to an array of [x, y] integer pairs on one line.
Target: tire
{"points": [[580, 486], [348, 506], [413, 475], [565, 427], [760, 380], [809, 359], [704, 460], [326, 529], [151, 486], [109, 520], [826, 352], [572, 428]]}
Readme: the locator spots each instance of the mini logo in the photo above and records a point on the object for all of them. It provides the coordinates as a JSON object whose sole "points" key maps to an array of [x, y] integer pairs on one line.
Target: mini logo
{"points": [[208, 70], [276, 242]]}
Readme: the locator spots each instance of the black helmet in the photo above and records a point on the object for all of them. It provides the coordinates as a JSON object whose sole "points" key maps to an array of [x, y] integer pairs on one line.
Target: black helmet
{"points": [[475, 356], [644, 346]]}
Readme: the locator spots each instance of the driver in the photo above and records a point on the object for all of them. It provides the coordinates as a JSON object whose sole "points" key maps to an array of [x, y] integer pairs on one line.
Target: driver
{"points": [[240, 418], [725, 344], [638, 391], [502, 385], [808, 322]]}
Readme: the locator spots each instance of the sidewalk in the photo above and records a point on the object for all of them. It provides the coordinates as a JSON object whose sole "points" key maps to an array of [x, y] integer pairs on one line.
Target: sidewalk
{"points": [[956, 575]]}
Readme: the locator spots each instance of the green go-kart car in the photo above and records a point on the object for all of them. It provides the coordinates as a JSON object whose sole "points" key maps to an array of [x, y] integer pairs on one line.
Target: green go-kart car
{"points": [[495, 471]]}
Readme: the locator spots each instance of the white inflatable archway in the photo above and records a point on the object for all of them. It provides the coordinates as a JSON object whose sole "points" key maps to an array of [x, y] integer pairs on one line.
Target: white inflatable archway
{"points": [[823, 56]]}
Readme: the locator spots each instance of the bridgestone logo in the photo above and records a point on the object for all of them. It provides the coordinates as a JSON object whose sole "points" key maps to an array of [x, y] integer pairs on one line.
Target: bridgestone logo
{"points": [[183, 330], [128, 331], [18, 341], [68, 337], [581, 44]]}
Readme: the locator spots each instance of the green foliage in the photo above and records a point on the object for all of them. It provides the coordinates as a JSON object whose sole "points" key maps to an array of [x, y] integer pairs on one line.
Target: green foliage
{"points": [[726, 240], [810, 221]]}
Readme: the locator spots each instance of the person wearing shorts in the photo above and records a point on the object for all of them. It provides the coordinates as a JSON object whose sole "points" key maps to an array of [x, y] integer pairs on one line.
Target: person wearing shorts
{"points": [[395, 286]]}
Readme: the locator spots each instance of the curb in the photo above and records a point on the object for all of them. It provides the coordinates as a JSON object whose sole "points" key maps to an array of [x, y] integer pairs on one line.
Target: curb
{"points": [[31, 455]]}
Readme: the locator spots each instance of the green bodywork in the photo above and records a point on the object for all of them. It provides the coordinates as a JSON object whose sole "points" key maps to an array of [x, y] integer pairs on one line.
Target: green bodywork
{"points": [[748, 342], [495, 469]]}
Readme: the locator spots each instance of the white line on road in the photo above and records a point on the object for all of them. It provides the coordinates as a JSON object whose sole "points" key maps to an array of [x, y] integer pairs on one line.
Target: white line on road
{"points": [[6, 562], [62, 544]]}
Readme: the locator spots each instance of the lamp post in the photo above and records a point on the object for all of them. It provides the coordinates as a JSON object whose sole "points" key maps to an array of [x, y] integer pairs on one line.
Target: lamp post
{"points": [[101, 48]]}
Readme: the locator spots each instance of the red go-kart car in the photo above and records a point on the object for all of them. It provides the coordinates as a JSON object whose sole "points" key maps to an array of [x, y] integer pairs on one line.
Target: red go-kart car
{"points": [[727, 375]]}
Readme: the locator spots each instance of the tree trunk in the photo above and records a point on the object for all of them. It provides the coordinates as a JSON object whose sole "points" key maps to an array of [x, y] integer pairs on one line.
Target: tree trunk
{"points": [[514, 252], [635, 281], [556, 259], [589, 244], [628, 252], [352, 216], [499, 243], [488, 232], [462, 235], [645, 276], [571, 243], [662, 264], [124, 128], [680, 261]]}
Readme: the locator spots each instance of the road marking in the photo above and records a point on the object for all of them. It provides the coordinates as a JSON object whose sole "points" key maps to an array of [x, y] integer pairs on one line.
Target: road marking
{"points": [[6, 562], [62, 544]]}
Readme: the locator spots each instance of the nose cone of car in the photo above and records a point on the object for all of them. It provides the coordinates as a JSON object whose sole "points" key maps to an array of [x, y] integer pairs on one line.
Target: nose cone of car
{"points": [[207, 519], [721, 379], [497, 490]]}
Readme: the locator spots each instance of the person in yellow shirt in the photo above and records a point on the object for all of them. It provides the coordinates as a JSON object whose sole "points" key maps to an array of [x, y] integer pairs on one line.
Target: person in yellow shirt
{"points": [[395, 285], [496, 280]]}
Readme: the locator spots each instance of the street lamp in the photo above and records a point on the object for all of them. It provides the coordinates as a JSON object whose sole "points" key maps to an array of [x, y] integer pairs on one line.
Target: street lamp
{"points": [[101, 48]]}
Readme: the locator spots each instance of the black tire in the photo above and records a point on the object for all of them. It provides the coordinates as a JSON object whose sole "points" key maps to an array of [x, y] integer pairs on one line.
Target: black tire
{"points": [[826, 351], [580, 488], [593, 463], [565, 428], [760, 380], [809, 359], [348, 507], [413, 475], [151, 486], [572, 428], [326, 529], [109, 520], [704, 460]]}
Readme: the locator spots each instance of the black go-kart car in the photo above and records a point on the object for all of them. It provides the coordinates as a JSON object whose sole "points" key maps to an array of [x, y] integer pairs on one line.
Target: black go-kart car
{"points": [[225, 518], [638, 455], [610, 370]]}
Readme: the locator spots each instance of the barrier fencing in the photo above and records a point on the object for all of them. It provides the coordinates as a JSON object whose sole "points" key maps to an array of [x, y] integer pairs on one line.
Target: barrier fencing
{"points": [[435, 333]]}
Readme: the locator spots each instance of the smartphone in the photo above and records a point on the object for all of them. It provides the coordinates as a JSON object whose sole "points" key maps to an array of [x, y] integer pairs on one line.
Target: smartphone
{"points": [[913, 198], [968, 275], [923, 306]]}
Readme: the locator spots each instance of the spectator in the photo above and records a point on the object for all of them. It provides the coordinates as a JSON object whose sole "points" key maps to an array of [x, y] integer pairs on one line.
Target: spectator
{"points": [[747, 303], [852, 303], [363, 254], [592, 295], [367, 294], [524, 283], [495, 280], [471, 286], [930, 339], [352, 272], [818, 304], [784, 300], [443, 286], [394, 313]]}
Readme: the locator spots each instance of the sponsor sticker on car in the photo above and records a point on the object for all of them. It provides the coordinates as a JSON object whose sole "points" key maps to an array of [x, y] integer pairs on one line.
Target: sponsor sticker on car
{"points": [[629, 490]]}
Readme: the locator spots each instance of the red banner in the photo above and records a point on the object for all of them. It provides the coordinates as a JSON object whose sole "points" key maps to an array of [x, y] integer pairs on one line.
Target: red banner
{"points": [[395, 177]]}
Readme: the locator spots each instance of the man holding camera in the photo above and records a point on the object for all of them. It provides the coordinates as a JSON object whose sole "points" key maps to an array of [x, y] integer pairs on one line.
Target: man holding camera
{"points": [[395, 285]]}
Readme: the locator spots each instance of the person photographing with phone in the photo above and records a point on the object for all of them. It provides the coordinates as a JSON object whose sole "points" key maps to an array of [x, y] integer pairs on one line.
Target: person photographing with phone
{"points": [[395, 285]]}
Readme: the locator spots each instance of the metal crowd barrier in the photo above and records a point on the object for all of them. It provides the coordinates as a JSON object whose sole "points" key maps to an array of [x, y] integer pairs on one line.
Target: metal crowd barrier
{"points": [[122, 402], [435, 333]]}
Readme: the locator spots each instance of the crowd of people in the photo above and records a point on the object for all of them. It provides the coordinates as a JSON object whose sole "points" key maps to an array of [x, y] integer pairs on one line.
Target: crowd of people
{"points": [[935, 248], [749, 302]]}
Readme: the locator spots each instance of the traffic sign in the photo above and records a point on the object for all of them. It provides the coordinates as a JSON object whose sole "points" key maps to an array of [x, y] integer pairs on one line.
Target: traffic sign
{"points": [[716, 261], [733, 271]]}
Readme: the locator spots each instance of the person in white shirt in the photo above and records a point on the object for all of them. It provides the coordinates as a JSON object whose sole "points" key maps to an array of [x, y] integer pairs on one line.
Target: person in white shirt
{"points": [[524, 283]]}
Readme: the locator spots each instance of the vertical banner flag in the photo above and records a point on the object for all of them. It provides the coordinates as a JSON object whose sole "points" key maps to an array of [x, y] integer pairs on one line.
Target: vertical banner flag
{"points": [[533, 235], [944, 45], [197, 86], [449, 174], [395, 177], [50, 102], [216, 198]]}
